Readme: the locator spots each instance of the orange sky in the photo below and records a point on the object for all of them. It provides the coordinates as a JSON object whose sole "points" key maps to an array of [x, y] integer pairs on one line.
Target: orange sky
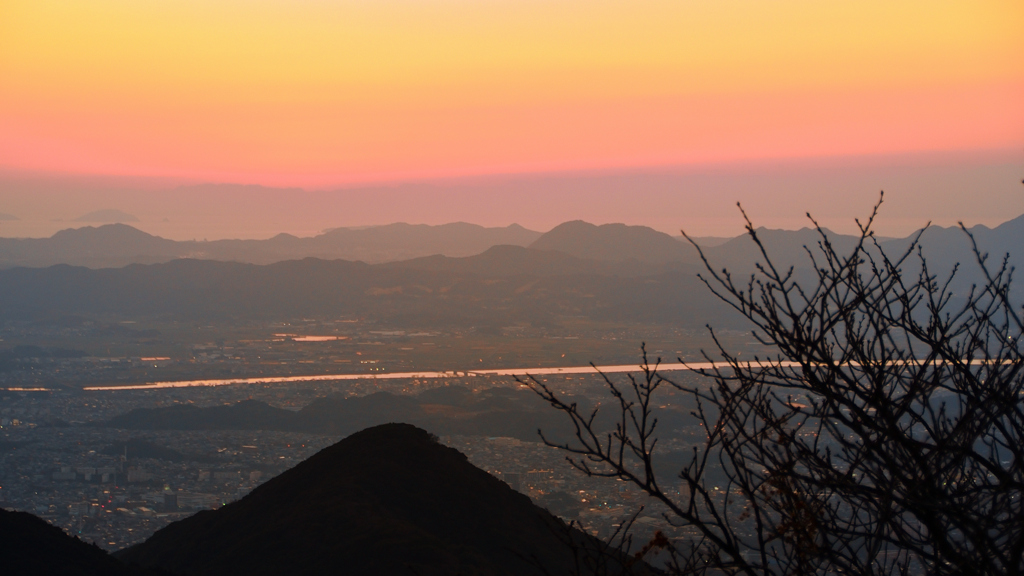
{"points": [[320, 93]]}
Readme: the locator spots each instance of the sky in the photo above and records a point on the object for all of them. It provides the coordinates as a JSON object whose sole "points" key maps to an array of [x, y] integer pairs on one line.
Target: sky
{"points": [[359, 94]]}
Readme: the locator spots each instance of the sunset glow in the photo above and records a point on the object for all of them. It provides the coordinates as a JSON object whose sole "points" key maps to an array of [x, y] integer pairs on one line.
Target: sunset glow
{"points": [[315, 93]]}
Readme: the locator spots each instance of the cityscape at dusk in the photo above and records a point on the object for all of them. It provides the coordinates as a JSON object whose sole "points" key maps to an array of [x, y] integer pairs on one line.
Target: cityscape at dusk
{"points": [[511, 287]]}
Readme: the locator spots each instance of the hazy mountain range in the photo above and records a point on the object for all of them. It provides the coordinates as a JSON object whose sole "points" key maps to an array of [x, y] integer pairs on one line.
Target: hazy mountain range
{"points": [[611, 272], [503, 286], [116, 245]]}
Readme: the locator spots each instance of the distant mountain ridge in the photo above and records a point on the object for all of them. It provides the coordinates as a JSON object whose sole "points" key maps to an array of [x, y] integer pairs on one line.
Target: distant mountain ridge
{"points": [[491, 289], [117, 245], [631, 248], [943, 247], [597, 272]]}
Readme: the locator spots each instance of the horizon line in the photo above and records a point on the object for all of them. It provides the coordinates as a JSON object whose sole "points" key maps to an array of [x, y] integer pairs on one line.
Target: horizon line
{"points": [[920, 158]]}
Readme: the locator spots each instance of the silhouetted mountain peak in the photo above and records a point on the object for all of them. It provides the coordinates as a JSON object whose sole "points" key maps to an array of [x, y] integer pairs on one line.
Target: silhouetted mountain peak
{"points": [[387, 500], [805, 233], [1016, 225], [614, 242], [284, 236], [29, 545], [115, 231]]}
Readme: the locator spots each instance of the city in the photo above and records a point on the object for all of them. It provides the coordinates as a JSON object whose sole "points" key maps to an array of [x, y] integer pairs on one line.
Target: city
{"points": [[115, 487]]}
